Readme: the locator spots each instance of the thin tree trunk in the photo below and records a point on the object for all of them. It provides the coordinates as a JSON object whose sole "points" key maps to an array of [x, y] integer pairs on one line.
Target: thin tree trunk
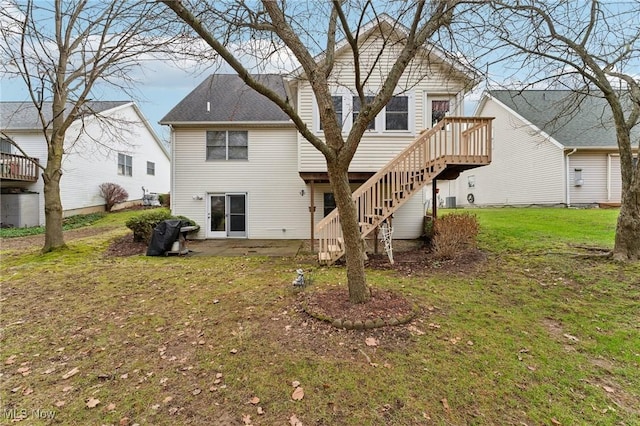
{"points": [[354, 249], [53, 237]]}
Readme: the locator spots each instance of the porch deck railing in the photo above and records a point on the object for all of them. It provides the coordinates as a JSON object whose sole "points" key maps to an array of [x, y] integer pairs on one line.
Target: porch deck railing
{"points": [[18, 167], [464, 142]]}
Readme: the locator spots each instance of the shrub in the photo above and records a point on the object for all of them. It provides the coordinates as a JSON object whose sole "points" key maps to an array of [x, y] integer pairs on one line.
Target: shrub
{"points": [[165, 200], [112, 194], [143, 224], [454, 234]]}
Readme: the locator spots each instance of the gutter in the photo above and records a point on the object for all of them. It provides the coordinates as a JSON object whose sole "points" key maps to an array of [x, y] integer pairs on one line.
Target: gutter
{"points": [[568, 190]]}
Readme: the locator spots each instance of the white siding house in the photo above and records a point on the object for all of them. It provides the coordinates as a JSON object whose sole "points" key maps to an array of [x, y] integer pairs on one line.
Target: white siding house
{"points": [[550, 148], [118, 145], [241, 169]]}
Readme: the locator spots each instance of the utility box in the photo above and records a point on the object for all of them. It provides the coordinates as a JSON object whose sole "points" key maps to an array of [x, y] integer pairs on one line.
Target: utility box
{"points": [[20, 210], [450, 202]]}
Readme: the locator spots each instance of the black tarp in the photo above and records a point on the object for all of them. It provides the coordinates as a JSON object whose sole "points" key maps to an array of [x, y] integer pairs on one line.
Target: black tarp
{"points": [[164, 235]]}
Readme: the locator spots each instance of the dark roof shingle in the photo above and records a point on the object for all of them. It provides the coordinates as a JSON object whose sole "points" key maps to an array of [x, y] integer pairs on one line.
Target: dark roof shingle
{"points": [[573, 120], [230, 100], [24, 115]]}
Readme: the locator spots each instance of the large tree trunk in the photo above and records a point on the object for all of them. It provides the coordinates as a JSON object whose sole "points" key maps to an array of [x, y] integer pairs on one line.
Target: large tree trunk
{"points": [[627, 245], [53, 237], [354, 249]]}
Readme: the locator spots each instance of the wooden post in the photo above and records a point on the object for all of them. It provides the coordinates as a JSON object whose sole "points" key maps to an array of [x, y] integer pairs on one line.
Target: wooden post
{"points": [[312, 210], [375, 239]]}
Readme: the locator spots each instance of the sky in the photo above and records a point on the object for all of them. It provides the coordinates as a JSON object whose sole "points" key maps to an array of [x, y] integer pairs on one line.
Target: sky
{"points": [[163, 83]]}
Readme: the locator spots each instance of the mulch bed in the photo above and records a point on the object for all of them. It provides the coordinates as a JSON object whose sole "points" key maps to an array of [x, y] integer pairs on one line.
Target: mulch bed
{"points": [[125, 246], [384, 308]]}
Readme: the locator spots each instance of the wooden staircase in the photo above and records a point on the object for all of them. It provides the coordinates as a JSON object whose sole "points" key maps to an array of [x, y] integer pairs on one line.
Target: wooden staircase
{"points": [[453, 145]]}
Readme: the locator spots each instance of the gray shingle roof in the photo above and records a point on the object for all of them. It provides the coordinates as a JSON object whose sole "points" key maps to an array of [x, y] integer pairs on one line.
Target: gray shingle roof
{"points": [[230, 100], [24, 115], [572, 120]]}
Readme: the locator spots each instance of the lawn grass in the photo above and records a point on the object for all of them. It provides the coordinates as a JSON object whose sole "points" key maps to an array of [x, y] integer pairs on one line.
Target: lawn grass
{"points": [[534, 335]]}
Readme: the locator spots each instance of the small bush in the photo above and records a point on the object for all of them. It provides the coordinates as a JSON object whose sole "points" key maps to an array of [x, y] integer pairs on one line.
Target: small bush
{"points": [[454, 234], [165, 200], [144, 224], [112, 194]]}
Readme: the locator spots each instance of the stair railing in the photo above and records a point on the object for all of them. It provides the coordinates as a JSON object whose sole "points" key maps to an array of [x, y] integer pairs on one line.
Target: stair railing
{"points": [[454, 140]]}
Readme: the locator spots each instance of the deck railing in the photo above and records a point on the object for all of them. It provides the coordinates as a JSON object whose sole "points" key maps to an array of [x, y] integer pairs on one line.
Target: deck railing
{"points": [[18, 167], [453, 141]]}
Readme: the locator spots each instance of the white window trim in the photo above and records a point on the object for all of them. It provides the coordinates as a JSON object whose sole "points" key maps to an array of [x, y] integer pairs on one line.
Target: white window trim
{"points": [[226, 153], [380, 130], [125, 156]]}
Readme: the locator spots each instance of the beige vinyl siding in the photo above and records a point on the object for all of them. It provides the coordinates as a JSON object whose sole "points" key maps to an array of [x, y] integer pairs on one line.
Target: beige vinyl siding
{"points": [[407, 220], [594, 176], [526, 168], [275, 207], [422, 79], [615, 183]]}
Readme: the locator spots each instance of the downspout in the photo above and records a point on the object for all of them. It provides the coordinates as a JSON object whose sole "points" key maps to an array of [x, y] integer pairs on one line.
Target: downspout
{"points": [[608, 177], [568, 190], [173, 162]]}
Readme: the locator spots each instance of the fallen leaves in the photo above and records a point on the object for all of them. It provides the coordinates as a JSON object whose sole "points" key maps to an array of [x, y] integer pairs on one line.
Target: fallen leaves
{"points": [[10, 360], [297, 394], [92, 402], [371, 341], [293, 421], [445, 404], [71, 373], [255, 400]]}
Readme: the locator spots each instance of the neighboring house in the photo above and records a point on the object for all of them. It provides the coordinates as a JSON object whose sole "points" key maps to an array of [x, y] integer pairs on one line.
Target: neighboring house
{"points": [[117, 145], [241, 169], [551, 147]]}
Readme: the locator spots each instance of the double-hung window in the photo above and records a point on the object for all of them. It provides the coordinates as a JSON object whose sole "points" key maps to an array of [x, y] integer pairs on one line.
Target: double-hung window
{"points": [[5, 146], [227, 145], [151, 168], [397, 113], [125, 165], [337, 106], [356, 110]]}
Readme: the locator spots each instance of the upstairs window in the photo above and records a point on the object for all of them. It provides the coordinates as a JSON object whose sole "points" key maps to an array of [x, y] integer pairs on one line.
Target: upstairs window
{"points": [[356, 111], [125, 165], [151, 168], [227, 145], [5, 146], [397, 113], [337, 106]]}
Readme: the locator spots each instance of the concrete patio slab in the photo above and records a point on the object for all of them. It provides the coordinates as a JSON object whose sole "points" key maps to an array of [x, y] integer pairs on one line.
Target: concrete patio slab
{"points": [[244, 247]]}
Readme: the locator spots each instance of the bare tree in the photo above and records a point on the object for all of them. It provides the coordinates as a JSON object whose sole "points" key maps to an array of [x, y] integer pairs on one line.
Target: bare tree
{"points": [[593, 49], [63, 50], [305, 29]]}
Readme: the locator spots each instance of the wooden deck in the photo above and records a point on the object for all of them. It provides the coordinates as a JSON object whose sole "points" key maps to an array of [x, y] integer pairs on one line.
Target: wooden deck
{"points": [[18, 168], [454, 145]]}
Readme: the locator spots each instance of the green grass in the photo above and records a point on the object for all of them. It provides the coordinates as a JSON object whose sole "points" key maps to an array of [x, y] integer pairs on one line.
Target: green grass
{"points": [[71, 222], [532, 335]]}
